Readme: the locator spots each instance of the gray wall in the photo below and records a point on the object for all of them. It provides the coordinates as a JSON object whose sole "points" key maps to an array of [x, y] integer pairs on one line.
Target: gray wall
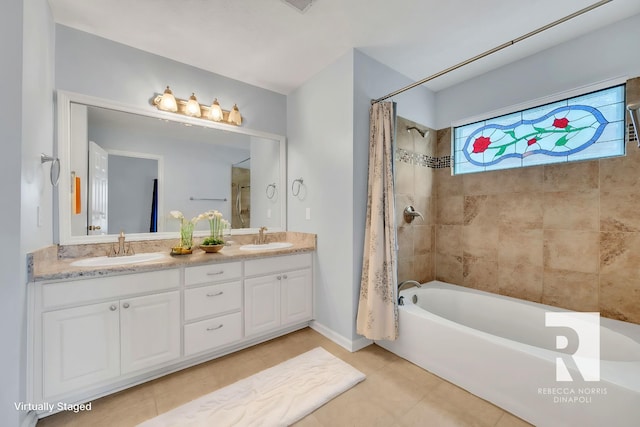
{"points": [[328, 134], [130, 193], [26, 78], [607, 53], [95, 66]]}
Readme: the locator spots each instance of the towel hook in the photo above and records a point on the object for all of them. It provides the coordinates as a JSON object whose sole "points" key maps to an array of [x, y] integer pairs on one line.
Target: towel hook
{"points": [[55, 166], [293, 184], [271, 193]]}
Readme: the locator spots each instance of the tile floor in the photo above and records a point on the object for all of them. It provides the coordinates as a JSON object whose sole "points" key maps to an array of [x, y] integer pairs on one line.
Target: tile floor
{"points": [[395, 393]]}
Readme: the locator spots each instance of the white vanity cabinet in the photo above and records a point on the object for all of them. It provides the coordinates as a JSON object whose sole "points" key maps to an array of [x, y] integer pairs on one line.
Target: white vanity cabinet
{"points": [[124, 324], [212, 306], [278, 292]]}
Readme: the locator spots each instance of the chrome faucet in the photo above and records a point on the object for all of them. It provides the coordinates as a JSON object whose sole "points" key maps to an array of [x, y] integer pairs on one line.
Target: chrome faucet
{"points": [[409, 282], [121, 251], [261, 238]]}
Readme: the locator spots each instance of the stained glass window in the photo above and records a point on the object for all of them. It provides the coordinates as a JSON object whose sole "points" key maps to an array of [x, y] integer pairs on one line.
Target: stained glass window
{"points": [[585, 127]]}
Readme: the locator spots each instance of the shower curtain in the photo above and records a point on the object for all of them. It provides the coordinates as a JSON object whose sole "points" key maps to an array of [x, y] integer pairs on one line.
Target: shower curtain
{"points": [[377, 309]]}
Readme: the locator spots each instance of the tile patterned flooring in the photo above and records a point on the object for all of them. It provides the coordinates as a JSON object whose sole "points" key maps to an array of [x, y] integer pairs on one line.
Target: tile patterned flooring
{"points": [[395, 393]]}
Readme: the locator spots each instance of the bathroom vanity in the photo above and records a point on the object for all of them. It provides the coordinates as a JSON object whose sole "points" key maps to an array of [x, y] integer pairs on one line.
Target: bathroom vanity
{"points": [[96, 331]]}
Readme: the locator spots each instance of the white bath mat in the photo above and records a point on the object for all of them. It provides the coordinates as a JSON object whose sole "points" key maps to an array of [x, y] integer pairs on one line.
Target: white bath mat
{"points": [[278, 396]]}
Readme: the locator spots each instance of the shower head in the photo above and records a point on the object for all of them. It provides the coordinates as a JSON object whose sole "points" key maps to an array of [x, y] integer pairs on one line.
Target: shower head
{"points": [[422, 133]]}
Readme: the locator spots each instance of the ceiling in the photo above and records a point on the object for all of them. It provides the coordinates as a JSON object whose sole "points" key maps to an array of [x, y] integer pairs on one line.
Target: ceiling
{"points": [[269, 44]]}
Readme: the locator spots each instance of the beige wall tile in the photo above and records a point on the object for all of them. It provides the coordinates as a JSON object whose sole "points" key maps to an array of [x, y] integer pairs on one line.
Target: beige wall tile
{"points": [[447, 184], [571, 210], [620, 210], [449, 239], [480, 241], [571, 176], [504, 181], [481, 211], [423, 239], [521, 210], [450, 210], [572, 250], [620, 253], [480, 273], [522, 281], [449, 268], [403, 200], [620, 296], [424, 268], [570, 289], [404, 139], [404, 178], [443, 146], [426, 206], [423, 180], [620, 172], [405, 269], [405, 243], [520, 246]]}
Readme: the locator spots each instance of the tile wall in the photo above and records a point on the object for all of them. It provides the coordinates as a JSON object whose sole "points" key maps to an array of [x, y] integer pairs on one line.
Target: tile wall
{"points": [[566, 235], [414, 173]]}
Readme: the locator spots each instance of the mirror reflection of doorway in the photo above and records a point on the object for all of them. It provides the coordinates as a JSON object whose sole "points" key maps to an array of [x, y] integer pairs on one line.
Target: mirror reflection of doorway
{"points": [[241, 195]]}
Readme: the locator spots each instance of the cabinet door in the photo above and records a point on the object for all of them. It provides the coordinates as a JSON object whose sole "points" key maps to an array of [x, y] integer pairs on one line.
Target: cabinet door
{"points": [[150, 330], [81, 347], [261, 304], [297, 296]]}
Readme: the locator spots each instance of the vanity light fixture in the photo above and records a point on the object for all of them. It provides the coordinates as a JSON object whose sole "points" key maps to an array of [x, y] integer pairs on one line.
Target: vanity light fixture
{"points": [[167, 101], [192, 108]]}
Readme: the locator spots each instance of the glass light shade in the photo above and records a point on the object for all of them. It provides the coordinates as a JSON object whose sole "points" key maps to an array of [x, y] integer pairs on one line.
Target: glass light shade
{"points": [[168, 101], [193, 108], [216, 112], [234, 116]]}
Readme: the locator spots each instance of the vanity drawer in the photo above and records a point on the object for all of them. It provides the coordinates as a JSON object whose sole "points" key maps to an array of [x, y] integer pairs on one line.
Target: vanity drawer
{"points": [[276, 264], [212, 273], [212, 333], [100, 288], [211, 300]]}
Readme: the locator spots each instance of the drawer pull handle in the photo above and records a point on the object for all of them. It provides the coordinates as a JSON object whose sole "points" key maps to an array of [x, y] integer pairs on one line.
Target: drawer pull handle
{"points": [[216, 294], [215, 273], [216, 328]]}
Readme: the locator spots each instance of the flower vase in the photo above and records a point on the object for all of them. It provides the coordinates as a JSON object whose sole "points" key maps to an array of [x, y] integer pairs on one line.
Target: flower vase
{"points": [[186, 239]]}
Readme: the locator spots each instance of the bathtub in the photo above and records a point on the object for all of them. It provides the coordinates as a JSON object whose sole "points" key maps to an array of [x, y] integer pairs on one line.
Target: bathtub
{"points": [[499, 349]]}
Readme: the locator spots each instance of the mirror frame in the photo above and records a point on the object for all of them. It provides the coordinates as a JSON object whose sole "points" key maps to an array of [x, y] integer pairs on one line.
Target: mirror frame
{"points": [[63, 111]]}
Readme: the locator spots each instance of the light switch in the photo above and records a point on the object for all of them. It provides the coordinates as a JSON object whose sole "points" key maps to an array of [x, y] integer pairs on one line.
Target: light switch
{"points": [[308, 213]]}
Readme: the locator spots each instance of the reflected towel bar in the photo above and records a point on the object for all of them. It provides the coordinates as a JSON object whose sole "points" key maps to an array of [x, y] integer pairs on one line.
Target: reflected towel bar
{"points": [[208, 199]]}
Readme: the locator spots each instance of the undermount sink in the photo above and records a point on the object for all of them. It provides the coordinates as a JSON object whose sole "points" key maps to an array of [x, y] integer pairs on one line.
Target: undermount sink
{"points": [[104, 261], [266, 246]]}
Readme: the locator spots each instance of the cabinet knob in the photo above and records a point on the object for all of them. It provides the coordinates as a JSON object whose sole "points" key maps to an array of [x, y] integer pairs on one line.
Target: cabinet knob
{"points": [[279, 277], [125, 305], [113, 307], [284, 276]]}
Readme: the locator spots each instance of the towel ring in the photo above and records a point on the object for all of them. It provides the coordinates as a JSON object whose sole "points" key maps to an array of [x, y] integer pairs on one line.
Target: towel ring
{"points": [[293, 185], [54, 173], [271, 193]]}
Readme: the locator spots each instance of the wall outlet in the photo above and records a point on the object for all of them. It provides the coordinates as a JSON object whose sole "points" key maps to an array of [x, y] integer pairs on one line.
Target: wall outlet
{"points": [[38, 217], [308, 213], [269, 213]]}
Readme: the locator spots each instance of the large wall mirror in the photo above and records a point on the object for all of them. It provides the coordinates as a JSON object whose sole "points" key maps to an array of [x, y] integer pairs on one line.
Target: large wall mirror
{"points": [[124, 168]]}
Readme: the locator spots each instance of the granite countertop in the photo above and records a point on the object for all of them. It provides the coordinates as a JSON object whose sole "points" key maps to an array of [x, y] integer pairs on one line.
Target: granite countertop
{"points": [[54, 262]]}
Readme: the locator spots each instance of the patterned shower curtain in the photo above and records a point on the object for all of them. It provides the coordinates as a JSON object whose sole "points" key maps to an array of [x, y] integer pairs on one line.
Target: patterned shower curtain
{"points": [[377, 310]]}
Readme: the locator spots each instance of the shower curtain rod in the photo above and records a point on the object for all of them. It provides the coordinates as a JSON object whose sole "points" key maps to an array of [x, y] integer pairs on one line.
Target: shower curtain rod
{"points": [[494, 50]]}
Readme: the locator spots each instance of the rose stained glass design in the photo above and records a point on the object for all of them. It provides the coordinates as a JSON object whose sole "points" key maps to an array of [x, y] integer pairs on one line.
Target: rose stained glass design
{"points": [[586, 127]]}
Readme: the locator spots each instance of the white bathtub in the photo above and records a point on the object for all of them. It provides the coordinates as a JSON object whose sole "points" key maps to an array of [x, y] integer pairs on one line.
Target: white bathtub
{"points": [[499, 348]]}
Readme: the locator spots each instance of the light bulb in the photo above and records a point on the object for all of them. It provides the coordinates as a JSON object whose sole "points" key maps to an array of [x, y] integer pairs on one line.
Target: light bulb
{"points": [[168, 101], [234, 116], [216, 112], [193, 108]]}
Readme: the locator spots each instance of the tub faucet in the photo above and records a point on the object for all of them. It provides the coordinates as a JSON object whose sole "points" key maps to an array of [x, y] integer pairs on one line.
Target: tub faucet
{"points": [[408, 282]]}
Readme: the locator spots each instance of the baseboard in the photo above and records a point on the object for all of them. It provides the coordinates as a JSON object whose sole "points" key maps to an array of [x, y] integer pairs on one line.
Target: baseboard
{"points": [[346, 343], [30, 420]]}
